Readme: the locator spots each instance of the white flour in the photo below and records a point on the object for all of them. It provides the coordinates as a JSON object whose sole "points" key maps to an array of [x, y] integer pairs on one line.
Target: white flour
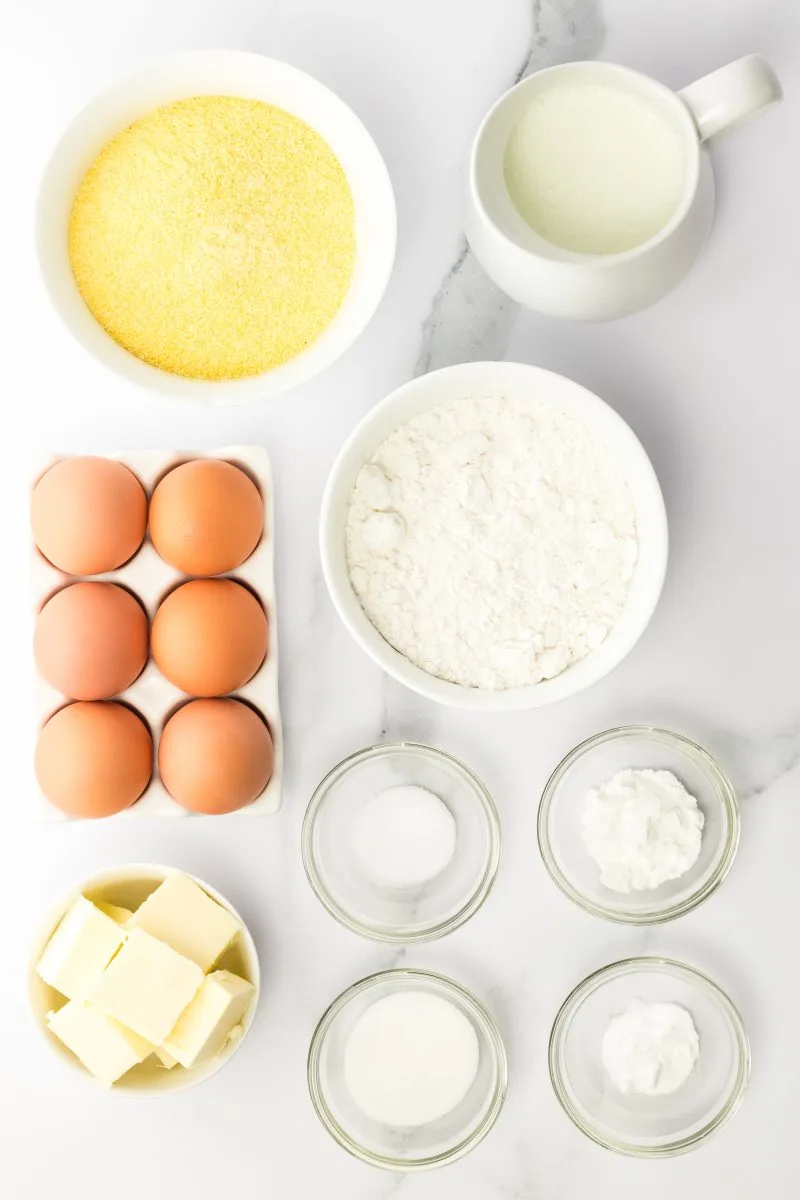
{"points": [[650, 1049], [492, 541], [642, 828]]}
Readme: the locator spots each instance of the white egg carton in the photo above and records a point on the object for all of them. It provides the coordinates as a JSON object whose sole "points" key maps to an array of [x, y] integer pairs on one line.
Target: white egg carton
{"points": [[150, 578]]}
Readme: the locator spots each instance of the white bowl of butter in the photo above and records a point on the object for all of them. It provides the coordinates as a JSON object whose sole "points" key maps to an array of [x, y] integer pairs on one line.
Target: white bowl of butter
{"points": [[189, 945]]}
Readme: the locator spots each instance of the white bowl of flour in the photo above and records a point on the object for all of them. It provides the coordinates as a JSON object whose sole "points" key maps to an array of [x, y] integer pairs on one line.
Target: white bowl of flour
{"points": [[494, 536]]}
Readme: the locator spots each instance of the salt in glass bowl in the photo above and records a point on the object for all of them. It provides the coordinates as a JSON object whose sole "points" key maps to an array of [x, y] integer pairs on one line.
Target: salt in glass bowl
{"points": [[593, 763], [409, 1148], [648, 1126], [386, 914]]}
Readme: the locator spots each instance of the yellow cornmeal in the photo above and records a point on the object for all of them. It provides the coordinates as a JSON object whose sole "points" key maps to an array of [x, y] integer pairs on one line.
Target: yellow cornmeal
{"points": [[215, 237]]}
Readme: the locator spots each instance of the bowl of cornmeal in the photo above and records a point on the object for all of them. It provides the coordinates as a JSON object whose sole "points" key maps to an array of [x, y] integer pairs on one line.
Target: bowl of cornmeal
{"points": [[216, 225], [145, 979]]}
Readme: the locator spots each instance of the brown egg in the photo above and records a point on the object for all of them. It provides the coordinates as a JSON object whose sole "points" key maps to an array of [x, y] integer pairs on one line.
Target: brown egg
{"points": [[209, 637], [215, 756], [94, 759], [88, 515], [91, 640], [206, 517]]}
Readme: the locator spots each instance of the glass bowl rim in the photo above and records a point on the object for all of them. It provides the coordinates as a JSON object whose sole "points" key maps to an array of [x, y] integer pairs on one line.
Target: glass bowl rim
{"points": [[727, 796], [492, 1038], [574, 1002], [477, 897]]}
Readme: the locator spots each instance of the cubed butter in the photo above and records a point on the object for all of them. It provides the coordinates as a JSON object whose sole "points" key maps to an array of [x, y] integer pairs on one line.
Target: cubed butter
{"points": [[105, 1047], [205, 1026], [115, 911], [80, 949], [180, 913], [147, 986]]}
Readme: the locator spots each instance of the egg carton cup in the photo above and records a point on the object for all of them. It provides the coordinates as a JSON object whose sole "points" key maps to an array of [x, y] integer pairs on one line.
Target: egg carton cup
{"points": [[150, 579]]}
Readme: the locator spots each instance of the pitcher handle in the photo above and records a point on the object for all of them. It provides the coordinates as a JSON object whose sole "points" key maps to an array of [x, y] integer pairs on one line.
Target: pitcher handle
{"points": [[727, 98]]}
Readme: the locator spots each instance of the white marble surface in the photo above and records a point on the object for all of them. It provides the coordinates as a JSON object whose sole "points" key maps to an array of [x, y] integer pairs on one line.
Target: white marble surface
{"points": [[707, 380]]}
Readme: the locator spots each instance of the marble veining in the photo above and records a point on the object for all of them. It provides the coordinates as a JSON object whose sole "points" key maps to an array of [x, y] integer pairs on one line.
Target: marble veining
{"points": [[763, 763], [706, 380], [471, 318]]}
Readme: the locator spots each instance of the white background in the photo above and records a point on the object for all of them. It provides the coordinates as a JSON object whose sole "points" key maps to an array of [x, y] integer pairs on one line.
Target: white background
{"points": [[707, 379]]}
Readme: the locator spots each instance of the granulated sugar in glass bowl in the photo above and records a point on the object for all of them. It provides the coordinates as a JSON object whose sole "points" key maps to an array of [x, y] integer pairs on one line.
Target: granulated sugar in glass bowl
{"points": [[425, 1108]]}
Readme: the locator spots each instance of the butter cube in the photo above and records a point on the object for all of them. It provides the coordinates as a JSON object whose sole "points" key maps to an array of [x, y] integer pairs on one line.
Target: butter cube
{"points": [[115, 911], [205, 1026], [105, 1047], [180, 913], [147, 986], [80, 949]]}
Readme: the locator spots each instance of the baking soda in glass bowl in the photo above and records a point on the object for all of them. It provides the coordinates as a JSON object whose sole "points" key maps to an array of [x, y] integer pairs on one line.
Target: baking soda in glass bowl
{"points": [[650, 1049], [648, 1057]]}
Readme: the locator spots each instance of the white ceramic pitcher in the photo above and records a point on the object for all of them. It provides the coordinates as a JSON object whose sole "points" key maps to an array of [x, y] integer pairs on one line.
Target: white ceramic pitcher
{"points": [[563, 283]]}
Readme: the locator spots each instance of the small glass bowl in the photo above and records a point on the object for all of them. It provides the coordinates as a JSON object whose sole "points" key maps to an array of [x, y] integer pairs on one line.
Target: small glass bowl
{"points": [[648, 1126], [404, 1149], [417, 914], [597, 760]]}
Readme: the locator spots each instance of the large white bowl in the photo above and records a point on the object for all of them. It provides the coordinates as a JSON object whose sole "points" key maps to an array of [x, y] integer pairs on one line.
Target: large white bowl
{"points": [[229, 73], [493, 378], [129, 886]]}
